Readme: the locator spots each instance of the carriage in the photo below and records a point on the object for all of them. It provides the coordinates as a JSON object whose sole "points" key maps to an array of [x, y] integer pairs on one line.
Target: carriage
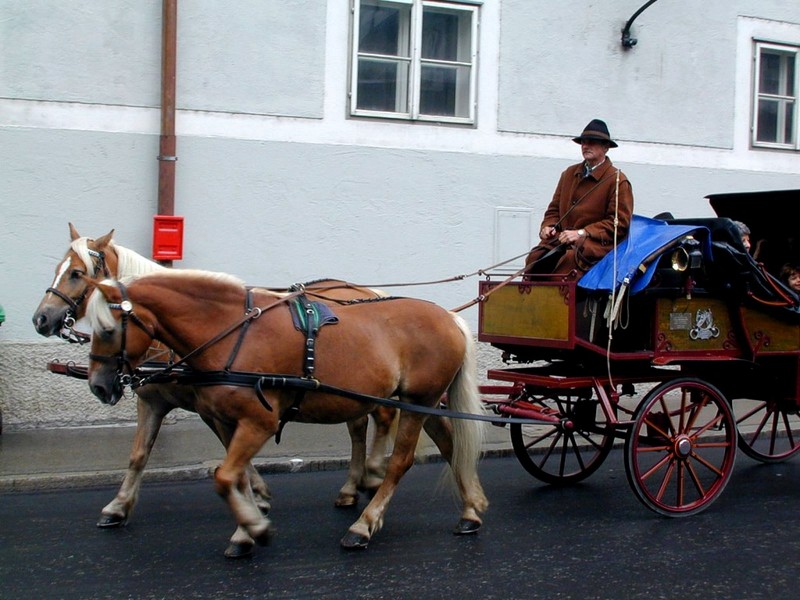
{"points": [[681, 346]]}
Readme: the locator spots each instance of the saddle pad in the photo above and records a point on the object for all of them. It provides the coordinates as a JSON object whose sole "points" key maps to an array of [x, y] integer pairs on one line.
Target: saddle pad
{"points": [[311, 316]]}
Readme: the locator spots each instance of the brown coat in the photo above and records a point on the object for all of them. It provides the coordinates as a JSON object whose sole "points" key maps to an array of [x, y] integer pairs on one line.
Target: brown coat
{"points": [[589, 204]]}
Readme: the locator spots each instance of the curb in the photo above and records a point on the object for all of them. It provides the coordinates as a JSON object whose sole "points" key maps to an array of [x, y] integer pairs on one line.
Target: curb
{"points": [[48, 482]]}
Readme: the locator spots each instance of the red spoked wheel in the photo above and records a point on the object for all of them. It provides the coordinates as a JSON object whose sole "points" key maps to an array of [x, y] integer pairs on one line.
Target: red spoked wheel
{"points": [[680, 452], [568, 451], [769, 430]]}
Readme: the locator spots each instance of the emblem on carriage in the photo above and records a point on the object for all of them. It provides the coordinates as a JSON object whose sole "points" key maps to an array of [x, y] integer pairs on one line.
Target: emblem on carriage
{"points": [[704, 328]]}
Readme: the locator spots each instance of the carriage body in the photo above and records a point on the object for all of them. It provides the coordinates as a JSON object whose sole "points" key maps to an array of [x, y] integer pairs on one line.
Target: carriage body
{"points": [[738, 346], [683, 311]]}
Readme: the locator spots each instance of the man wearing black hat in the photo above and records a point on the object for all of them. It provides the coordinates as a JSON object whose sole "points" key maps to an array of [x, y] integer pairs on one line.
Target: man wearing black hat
{"points": [[590, 211]]}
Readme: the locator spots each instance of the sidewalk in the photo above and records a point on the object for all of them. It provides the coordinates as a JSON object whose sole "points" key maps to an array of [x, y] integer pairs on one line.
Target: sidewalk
{"points": [[49, 459]]}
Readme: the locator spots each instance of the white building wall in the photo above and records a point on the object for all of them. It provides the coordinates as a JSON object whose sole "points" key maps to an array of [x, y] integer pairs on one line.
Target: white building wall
{"points": [[277, 185]]}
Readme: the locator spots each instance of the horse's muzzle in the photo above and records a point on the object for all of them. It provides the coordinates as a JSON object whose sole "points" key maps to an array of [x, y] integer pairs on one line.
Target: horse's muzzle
{"points": [[47, 323], [108, 393]]}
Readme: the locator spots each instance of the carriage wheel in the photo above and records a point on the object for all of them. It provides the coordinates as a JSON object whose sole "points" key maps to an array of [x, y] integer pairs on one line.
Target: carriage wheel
{"points": [[566, 452], [680, 452], [769, 430]]}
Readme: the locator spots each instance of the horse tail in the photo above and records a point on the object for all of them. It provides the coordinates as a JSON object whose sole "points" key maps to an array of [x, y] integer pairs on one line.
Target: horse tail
{"points": [[463, 396]]}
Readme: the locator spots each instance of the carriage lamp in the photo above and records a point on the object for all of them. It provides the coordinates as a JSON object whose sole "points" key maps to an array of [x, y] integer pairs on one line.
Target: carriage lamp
{"points": [[687, 255]]}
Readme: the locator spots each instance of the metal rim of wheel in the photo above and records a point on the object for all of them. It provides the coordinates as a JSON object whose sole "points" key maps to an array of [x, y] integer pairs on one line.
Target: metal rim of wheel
{"points": [[680, 452], [769, 431]]}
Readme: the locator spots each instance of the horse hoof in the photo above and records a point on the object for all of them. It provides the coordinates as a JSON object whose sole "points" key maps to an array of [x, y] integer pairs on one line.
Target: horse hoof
{"points": [[354, 541], [109, 521], [346, 500], [239, 550], [265, 537], [466, 527]]}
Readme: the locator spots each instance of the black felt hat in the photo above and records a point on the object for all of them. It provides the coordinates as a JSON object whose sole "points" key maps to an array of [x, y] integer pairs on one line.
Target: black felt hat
{"points": [[596, 130]]}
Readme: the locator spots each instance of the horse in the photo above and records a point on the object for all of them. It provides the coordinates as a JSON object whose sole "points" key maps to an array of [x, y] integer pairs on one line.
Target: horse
{"points": [[64, 303], [255, 374]]}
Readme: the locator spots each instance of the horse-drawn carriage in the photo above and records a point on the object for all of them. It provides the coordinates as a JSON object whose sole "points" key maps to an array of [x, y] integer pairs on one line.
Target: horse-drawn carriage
{"points": [[680, 344], [681, 316]]}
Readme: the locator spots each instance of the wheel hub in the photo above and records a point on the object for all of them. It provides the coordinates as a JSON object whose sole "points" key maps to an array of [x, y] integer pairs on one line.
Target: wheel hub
{"points": [[682, 446]]}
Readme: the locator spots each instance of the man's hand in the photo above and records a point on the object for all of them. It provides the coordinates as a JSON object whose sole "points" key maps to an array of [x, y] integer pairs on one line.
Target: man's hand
{"points": [[571, 236], [547, 233]]}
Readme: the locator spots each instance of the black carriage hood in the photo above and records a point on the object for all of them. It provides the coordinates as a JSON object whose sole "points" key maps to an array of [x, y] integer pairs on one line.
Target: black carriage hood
{"points": [[774, 231]]}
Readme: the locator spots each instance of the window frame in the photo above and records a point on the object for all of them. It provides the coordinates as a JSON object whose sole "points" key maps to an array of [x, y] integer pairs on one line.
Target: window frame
{"points": [[760, 46], [413, 84]]}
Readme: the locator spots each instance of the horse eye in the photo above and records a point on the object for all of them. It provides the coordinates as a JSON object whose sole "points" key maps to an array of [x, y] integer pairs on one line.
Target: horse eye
{"points": [[76, 274]]}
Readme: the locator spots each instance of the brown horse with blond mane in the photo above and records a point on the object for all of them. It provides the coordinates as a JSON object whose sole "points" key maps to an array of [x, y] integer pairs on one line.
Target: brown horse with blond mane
{"points": [[393, 347], [64, 303]]}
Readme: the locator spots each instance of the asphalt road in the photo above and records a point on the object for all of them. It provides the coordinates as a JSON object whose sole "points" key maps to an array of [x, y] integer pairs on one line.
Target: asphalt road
{"points": [[593, 540]]}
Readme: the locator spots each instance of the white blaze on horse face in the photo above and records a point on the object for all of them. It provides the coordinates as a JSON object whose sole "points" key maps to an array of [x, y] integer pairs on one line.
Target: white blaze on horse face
{"points": [[63, 268]]}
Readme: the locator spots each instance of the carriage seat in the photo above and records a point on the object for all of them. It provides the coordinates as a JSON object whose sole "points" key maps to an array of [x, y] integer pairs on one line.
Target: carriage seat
{"points": [[734, 270]]}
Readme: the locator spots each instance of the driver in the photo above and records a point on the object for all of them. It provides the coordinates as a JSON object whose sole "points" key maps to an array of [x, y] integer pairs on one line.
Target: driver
{"points": [[590, 211]]}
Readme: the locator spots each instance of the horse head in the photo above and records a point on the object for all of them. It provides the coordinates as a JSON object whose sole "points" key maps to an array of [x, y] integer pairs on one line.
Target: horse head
{"points": [[63, 302], [121, 338]]}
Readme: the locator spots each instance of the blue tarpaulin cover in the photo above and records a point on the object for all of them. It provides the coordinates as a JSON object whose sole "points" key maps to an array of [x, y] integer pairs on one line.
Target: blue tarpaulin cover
{"points": [[647, 239]]}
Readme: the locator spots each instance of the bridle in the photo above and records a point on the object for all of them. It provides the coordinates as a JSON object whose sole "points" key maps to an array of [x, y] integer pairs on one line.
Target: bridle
{"points": [[67, 332], [126, 373]]}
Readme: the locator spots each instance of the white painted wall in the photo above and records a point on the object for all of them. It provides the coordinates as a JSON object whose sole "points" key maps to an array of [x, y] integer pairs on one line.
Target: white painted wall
{"points": [[277, 185]]}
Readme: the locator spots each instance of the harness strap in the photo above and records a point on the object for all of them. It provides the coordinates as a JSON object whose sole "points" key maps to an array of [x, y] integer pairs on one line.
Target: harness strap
{"points": [[310, 323], [305, 384], [253, 314], [248, 308]]}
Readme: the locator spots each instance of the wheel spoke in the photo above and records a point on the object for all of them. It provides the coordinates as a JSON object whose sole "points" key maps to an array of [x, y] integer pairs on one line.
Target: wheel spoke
{"points": [[567, 451]]}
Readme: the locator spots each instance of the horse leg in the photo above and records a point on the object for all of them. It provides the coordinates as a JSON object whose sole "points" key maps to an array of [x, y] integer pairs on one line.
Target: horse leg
{"points": [[261, 492], [241, 544], [466, 479], [371, 519], [233, 484], [348, 494], [150, 413], [375, 471]]}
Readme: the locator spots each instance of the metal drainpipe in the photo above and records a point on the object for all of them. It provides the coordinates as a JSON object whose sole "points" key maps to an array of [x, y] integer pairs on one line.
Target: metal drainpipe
{"points": [[167, 147]]}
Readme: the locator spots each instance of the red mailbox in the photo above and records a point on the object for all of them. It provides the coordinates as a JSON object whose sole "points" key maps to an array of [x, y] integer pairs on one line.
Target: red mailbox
{"points": [[167, 237]]}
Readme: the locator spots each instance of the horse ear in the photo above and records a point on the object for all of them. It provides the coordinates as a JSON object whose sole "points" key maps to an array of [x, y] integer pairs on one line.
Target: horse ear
{"points": [[103, 241], [110, 292], [73, 233]]}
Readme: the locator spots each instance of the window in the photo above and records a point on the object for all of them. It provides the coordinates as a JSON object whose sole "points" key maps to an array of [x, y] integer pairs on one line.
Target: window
{"points": [[776, 96], [414, 59]]}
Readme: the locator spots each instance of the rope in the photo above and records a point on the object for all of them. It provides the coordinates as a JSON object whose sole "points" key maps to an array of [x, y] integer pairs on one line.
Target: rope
{"points": [[612, 315]]}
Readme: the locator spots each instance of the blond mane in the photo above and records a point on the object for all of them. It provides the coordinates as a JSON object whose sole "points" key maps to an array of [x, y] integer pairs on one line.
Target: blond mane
{"points": [[129, 262], [100, 316]]}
